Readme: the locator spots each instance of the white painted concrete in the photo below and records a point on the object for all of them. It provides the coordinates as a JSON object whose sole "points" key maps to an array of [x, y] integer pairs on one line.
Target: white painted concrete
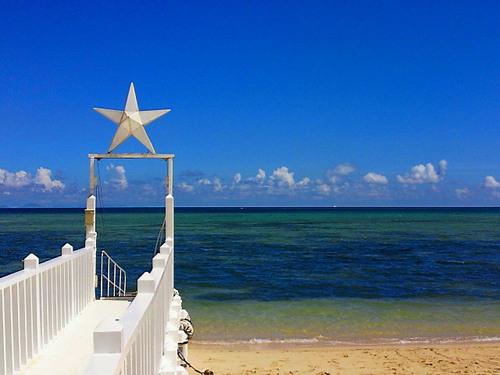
{"points": [[69, 352]]}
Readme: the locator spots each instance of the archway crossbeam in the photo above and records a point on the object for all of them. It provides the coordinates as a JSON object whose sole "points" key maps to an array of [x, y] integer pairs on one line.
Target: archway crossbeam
{"points": [[167, 157]]}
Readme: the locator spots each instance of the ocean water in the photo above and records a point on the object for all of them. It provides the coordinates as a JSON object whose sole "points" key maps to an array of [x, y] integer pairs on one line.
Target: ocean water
{"points": [[301, 275]]}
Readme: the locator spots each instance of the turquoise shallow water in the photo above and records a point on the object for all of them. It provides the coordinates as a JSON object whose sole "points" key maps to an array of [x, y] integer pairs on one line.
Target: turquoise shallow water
{"points": [[302, 275]]}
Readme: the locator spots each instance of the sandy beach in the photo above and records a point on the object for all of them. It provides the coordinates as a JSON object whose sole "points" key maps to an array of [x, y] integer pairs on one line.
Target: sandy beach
{"points": [[373, 360]]}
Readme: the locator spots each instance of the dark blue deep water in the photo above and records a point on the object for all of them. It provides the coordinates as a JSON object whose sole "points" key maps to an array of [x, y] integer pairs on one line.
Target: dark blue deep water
{"points": [[313, 274]]}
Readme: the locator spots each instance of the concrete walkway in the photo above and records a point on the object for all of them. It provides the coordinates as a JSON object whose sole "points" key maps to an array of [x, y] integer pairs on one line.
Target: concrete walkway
{"points": [[69, 352]]}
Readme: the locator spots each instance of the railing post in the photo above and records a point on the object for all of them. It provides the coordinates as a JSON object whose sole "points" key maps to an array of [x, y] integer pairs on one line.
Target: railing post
{"points": [[67, 251], [90, 216], [169, 219], [90, 231], [172, 338], [165, 249], [108, 337], [146, 283], [160, 260], [90, 243], [32, 262]]}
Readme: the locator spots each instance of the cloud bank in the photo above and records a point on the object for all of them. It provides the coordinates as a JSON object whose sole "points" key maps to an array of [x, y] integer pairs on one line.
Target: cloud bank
{"points": [[22, 179], [342, 184]]}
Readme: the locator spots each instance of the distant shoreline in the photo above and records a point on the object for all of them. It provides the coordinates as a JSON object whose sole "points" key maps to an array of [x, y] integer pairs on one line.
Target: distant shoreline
{"points": [[265, 208]]}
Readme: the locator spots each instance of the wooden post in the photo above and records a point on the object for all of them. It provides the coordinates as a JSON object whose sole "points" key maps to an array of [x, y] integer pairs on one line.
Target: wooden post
{"points": [[31, 262], [146, 283], [91, 176], [108, 337]]}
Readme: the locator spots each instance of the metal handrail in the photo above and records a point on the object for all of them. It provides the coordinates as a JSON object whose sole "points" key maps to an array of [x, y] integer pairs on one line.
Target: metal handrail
{"points": [[110, 286]]}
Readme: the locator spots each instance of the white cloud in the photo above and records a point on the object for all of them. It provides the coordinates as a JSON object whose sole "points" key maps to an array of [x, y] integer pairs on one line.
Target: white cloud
{"points": [[204, 181], [375, 178], [186, 187], [424, 174], [333, 175], [323, 189], [282, 176], [304, 182], [443, 166], [43, 178], [281, 182], [118, 177], [491, 183], [462, 193], [333, 179], [261, 176], [21, 179], [14, 179], [215, 183], [343, 169]]}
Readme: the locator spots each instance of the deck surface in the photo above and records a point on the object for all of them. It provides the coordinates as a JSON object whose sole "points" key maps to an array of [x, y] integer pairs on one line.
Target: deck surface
{"points": [[69, 352]]}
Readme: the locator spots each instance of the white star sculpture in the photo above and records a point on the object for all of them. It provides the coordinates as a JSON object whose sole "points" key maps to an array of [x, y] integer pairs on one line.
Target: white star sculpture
{"points": [[131, 121]]}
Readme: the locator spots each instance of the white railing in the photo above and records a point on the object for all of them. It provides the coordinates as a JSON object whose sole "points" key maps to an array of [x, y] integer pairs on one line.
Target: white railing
{"points": [[37, 302], [145, 339], [113, 277]]}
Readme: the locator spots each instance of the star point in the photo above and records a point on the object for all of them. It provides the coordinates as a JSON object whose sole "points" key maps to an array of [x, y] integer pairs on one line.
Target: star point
{"points": [[131, 121]]}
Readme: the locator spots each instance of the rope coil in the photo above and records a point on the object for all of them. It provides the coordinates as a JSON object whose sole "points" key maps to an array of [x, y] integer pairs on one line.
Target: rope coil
{"points": [[183, 359]]}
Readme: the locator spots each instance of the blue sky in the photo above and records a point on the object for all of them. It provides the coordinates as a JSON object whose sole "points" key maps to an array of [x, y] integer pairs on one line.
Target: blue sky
{"points": [[275, 103]]}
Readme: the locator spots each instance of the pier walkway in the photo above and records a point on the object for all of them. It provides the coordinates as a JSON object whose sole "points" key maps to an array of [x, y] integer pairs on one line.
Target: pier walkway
{"points": [[70, 351], [51, 323], [50, 320]]}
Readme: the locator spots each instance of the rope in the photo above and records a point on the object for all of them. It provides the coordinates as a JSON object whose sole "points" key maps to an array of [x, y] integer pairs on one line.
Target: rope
{"points": [[183, 359], [160, 237], [100, 197], [187, 326]]}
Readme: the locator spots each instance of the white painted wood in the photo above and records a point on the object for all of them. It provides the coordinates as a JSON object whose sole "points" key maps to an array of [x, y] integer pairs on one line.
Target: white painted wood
{"points": [[146, 283], [31, 262], [146, 335], [67, 249], [108, 337], [131, 121], [169, 217], [39, 301], [90, 207], [48, 311], [170, 177], [160, 261], [131, 156], [69, 352]]}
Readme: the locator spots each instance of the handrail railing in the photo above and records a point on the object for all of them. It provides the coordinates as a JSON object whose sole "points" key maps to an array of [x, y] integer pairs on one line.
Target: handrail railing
{"points": [[114, 280], [144, 340], [38, 302]]}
